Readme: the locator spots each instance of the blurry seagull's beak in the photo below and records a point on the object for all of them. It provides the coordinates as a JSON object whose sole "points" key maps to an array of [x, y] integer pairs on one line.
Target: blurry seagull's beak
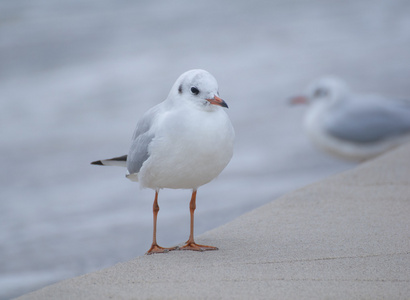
{"points": [[299, 100]]}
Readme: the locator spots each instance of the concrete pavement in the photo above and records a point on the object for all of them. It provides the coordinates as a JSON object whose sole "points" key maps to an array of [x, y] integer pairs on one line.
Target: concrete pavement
{"points": [[347, 237]]}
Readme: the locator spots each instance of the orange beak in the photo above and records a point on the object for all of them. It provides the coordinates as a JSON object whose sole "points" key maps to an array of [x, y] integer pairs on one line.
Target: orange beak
{"points": [[298, 100], [217, 101]]}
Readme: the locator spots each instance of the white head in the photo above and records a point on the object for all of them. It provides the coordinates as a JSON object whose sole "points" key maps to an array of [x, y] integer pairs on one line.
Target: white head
{"points": [[329, 89], [198, 87]]}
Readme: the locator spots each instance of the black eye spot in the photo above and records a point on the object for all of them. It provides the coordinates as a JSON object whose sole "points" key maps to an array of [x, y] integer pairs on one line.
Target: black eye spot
{"points": [[320, 93], [180, 89], [194, 90]]}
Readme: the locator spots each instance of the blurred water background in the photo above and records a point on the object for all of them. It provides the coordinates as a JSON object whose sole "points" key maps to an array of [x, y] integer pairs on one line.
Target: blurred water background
{"points": [[75, 76]]}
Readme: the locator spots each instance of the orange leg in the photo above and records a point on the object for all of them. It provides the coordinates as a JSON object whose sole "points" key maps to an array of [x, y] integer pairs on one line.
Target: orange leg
{"points": [[190, 244], [154, 247]]}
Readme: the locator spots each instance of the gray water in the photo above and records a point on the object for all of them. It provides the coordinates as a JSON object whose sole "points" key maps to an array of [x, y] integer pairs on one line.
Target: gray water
{"points": [[75, 76]]}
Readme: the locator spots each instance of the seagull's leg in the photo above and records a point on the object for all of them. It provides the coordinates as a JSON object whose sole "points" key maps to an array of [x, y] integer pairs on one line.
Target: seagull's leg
{"points": [[190, 244], [154, 247]]}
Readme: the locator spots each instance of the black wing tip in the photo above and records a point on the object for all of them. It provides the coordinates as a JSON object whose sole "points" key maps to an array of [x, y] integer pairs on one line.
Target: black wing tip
{"points": [[120, 158]]}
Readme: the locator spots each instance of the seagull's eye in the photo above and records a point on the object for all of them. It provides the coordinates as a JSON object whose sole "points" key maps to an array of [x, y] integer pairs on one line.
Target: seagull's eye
{"points": [[194, 90]]}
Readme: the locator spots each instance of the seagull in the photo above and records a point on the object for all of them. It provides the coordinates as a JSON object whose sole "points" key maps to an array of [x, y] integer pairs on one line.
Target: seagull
{"points": [[351, 126], [183, 142]]}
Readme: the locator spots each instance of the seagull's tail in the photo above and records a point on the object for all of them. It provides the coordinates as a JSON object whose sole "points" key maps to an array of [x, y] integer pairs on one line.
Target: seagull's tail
{"points": [[120, 161]]}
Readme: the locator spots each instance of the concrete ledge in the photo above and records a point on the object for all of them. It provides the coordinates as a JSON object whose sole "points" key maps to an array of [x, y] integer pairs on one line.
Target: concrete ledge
{"points": [[346, 237]]}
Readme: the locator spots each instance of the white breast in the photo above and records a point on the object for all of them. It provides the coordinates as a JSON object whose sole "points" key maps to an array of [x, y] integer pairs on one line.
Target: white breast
{"points": [[190, 149]]}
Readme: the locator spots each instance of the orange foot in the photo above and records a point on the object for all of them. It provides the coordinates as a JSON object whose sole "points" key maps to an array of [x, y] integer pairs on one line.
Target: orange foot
{"points": [[157, 249], [195, 247]]}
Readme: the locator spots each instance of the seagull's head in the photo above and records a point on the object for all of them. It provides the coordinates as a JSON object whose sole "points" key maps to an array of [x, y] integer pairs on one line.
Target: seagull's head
{"points": [[198, 87], [327, 90]]}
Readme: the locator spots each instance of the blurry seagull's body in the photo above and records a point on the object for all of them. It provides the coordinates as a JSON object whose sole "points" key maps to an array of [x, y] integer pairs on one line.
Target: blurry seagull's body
{"points": [[354, 127]]}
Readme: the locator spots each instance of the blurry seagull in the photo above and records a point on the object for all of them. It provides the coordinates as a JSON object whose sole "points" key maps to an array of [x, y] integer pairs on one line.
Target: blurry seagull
{"points": [[182, 143], [355, 127]]}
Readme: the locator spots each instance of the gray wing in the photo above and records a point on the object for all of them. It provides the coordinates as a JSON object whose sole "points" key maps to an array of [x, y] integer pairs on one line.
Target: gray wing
{"points": [[141, 139], [369, 121]]}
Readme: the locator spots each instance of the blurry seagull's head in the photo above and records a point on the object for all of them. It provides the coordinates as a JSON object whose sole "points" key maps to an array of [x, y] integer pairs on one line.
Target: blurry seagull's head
{"points": [[327, 89]]}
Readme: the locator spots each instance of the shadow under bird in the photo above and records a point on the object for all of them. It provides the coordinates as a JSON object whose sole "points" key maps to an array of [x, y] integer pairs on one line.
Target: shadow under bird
{"points": [[352, 126], [182, 143]]}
